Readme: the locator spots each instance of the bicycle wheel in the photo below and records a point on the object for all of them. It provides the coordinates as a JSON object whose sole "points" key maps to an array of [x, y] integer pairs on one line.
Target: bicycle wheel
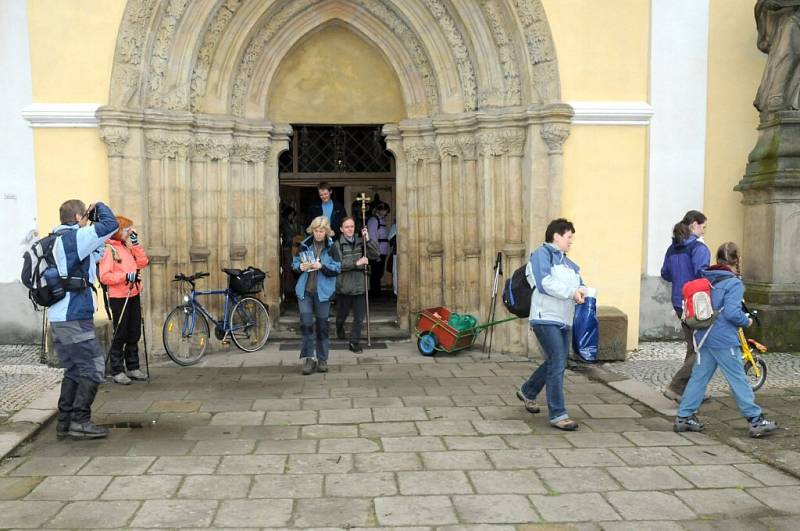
{"points": [[250, 324], [186, 335], [756, 381]]}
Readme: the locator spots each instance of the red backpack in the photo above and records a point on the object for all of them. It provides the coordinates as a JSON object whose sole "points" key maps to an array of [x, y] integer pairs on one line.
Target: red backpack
{"points": [[697, 309]]}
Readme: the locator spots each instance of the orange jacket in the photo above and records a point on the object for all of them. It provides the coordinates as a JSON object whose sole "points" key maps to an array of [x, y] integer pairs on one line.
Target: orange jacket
{"points": [[119, 260]]}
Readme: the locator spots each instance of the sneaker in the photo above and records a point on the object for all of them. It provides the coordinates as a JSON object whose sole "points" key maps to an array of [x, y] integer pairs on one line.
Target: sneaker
{"points": [[565, 424], [672, 395], [355, 347], [322, 366], [137, 375], [760, 426], [340, 332], [309, 365], [692, 423], [530, 405], [121, 378]]}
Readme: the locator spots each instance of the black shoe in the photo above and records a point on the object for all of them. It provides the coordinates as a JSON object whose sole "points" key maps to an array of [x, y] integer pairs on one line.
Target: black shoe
{"points": [[69, 388], [355, 347], [309, 366], [322, 366], [340, 332], [81, 426], [87, 430]]}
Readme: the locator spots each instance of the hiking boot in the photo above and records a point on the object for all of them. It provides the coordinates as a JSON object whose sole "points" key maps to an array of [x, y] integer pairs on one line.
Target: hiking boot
{"points": [[530, 405], [672, 395], [309, 365], [121, 378], [69, 388], [355, 347], [137, 375], [87, 430], [340, 332], [682, 424], [565, 424], [760, 426], [322, 366]]}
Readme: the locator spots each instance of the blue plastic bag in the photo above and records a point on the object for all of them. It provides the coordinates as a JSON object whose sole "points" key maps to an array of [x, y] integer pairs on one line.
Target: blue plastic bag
{"points": [[585, 329]]}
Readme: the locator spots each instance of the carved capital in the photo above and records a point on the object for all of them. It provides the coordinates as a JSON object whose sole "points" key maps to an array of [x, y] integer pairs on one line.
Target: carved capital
{"points": [[467, 143], [418, 149], [554, 135], [499, 142], [166, 145], [238, 251], [251, 149], [447, 146], [208, 147], [115, 139]]}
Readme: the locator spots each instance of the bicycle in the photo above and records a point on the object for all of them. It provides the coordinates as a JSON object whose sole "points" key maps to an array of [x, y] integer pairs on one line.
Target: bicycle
{"points": [[755, 368], [245, 319]]}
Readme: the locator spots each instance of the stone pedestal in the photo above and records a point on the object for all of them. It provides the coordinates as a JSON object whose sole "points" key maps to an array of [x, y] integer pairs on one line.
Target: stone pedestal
{"points": [[613, 324], [770, 258]]}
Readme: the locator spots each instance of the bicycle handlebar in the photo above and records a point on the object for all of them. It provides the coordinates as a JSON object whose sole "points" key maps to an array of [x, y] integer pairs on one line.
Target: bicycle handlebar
{"points": [[180, 277]]}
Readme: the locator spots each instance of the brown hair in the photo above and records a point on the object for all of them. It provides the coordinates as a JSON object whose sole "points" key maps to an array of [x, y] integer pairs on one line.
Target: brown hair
{"points": [[69, 209], [348, 218], [681, 229], [728, 254], [124, 223]]}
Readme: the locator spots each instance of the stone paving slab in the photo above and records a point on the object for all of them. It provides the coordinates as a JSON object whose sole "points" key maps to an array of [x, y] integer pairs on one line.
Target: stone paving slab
{"points": [[382, 441]]}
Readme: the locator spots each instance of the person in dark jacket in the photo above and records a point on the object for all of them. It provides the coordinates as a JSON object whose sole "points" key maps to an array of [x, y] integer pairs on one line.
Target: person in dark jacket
{"points": [[78, 250], [685, 260], [719, 347], [350, 288], [378, 232], [328, 207]]}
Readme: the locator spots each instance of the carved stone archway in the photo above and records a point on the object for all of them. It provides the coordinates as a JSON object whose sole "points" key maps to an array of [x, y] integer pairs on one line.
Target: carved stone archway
{"points": [[193, 154]]}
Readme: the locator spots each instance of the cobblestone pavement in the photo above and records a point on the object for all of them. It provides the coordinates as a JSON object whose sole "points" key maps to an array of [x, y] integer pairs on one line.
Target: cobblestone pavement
{"points": [[23, 377], [389, 439]]}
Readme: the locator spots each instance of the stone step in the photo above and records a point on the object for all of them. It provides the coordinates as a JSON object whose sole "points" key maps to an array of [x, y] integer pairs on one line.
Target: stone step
{"points": [[383, 331]]}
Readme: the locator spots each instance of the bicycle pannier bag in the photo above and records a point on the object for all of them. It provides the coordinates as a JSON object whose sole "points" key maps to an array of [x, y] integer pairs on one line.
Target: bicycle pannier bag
{"points": [[697, 309], [248, 281]]}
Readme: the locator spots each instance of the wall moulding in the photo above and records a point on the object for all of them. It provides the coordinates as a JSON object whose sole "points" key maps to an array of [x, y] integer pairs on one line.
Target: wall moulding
{"points": [[61, 114], [612, 112]]}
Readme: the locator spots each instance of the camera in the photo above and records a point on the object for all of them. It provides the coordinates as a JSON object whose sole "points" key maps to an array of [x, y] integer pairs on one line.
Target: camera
{"points": [[91, 213]]}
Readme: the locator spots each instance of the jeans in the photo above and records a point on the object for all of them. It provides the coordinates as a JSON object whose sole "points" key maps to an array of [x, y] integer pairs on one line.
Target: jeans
{"points": [[343, 305], [730, 361], [313, 310], [555, 341]]}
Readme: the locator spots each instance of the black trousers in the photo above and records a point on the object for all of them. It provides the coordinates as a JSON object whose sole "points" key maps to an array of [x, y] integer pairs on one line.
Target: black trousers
{"points": [[376, 269], [343, 305], [124, 351]]}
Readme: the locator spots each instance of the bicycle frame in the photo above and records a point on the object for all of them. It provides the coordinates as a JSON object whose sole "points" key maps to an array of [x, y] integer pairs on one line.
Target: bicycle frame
{"points": [[747, 351], [230, 301]]}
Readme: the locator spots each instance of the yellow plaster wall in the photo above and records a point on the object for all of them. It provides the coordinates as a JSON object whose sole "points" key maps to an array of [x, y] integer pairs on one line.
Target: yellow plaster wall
{"points": [[734, 73], [72, 46], [70, 164], [334, 76], [603, 48], [604, 198]]}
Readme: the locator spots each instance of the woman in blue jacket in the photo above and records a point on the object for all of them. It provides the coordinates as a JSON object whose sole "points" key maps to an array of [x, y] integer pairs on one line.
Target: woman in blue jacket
{"points": [[318, 263], [719, 346], [686, 258]]}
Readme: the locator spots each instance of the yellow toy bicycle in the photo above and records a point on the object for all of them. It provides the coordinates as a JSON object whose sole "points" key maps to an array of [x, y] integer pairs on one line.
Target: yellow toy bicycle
{"points": [[754, 365]]}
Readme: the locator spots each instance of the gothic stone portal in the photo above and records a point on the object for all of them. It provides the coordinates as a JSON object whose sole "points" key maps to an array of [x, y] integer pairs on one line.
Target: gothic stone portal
{"points": [[193, 154]]}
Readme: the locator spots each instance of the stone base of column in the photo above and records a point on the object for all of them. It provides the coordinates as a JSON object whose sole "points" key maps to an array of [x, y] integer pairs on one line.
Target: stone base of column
{"points": [[779, 314]]}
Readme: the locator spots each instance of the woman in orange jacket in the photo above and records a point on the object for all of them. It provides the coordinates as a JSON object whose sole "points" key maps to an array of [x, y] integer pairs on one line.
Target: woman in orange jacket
{"points": [[124, 257]]}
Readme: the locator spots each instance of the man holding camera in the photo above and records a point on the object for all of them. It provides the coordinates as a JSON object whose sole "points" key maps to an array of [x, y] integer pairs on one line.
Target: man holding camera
{"points": [[76, 253]]}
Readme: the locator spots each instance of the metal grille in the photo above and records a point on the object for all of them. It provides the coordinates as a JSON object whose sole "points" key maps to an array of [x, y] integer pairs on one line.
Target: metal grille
{"points": [[336, 149]]}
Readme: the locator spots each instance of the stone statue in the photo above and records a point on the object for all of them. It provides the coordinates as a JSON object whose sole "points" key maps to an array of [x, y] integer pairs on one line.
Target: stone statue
{"points": [[778, 24]]}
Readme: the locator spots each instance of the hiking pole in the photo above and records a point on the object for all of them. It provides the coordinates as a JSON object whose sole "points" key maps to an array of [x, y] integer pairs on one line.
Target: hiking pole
{"points": [[146, 354], [43, 355], [364, 199], [498, 271], [115, 327]]}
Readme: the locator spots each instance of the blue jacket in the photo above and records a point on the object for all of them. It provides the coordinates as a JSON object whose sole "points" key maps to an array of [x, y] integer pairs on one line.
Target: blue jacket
{"points": [[556, 278], [81, 248], [683, 262], [326, 277], [727, 291]]}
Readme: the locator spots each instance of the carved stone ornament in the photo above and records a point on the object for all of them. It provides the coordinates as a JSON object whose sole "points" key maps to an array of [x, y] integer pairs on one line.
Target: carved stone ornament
{"points": [[210, 147], [166, 145], [448, 146], [468, 145], [499, 142], [159, 58], [554, 135], [415, 149], [250, 149], [505, 50], [541, 51], [130, 47], [211, 39], [115, 139], [778, 24]]}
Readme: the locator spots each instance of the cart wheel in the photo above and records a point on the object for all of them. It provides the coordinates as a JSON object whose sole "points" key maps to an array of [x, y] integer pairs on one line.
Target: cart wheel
{"points": [[426, 344]]}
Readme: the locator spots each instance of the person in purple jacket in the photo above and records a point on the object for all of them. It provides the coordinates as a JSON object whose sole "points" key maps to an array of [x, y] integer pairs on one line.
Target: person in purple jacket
{"points": [[685, 260]]}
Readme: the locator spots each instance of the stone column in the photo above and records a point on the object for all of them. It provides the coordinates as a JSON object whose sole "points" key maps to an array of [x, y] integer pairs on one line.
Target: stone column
{"points": [[451, 221], [394, 143], [471, 238], [554, 135], [771, 199]]}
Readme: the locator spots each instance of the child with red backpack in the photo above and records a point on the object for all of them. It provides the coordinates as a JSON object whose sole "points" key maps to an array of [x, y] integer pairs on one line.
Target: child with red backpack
{"points": [[685, 259], [717, 340]]}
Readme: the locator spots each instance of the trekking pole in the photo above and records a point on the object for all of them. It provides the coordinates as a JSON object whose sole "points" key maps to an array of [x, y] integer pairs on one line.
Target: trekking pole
{"points": [[364, 199], [146, 354], [43, 355], [498, 271], [115, 327]]}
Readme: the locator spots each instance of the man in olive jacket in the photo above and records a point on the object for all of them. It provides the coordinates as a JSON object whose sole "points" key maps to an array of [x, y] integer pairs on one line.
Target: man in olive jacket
{"points": [[350, 286]]}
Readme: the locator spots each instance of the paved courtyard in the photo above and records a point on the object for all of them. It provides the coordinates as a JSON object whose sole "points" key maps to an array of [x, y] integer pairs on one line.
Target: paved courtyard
{"points": [[386, 439]]}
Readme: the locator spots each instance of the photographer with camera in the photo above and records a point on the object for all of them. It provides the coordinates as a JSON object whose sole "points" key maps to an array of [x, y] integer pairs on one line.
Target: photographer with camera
{"points": [[76, 253], [120, 267]]}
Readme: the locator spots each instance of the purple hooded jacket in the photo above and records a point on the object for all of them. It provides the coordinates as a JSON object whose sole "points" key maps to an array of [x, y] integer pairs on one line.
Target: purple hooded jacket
{"points": [[684, 261]]}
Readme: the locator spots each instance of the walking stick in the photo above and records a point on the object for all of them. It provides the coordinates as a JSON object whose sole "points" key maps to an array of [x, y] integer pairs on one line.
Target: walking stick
{"points": [[364, 200], [146, 354], [498, 272], [43, 355]]}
